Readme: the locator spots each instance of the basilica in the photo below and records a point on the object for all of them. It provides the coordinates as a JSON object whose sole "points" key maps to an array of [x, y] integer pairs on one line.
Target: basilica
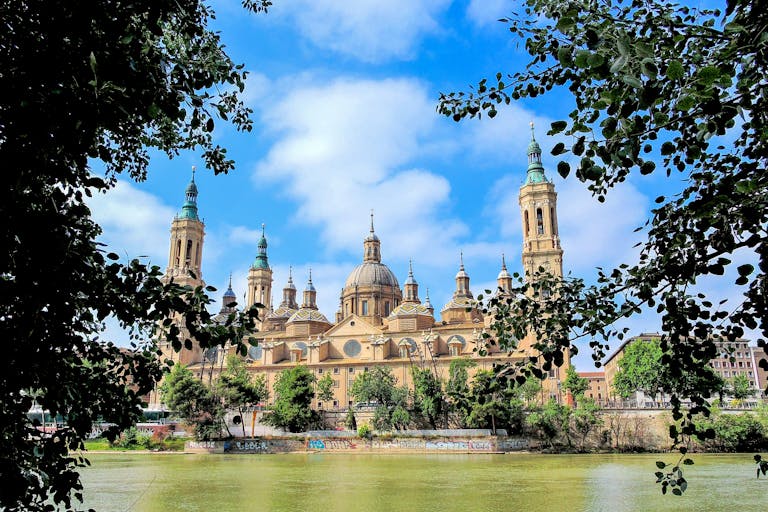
{"points": [[378, 322]]}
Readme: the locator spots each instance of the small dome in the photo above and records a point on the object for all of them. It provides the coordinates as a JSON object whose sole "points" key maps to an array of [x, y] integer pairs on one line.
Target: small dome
{"points": [[411, 308], [191, 188], [306, 314], [461, 303], [371, 273], [282, 312]]}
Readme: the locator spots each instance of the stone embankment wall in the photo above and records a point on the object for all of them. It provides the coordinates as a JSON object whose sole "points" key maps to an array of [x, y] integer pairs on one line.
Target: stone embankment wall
{"points": [[320, 443]]}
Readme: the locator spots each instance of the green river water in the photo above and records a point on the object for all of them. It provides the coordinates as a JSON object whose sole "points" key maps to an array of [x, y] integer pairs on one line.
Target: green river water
{"points": [[419, 483]]}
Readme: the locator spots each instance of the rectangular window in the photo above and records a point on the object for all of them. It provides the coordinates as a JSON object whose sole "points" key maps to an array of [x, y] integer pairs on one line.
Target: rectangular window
{"points": [[335, 403], [335, 371], [320, 371], [386, 308], [351, 370], [335, 383], [365, 307]]}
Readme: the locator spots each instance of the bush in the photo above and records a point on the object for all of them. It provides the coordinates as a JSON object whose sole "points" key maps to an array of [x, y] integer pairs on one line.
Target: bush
{"points": [[364, 432]]}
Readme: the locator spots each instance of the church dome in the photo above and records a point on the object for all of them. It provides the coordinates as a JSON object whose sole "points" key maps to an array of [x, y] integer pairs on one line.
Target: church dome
{"points": [[282, 312], [371, 273], [307, 314], [411, 308]]}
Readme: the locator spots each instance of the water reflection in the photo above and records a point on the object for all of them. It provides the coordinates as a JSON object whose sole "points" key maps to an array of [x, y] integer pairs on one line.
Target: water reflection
{"points": [[405, 483]]}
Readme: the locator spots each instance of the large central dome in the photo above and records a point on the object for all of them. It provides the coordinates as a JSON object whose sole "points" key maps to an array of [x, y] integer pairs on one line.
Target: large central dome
{"points": [[371, 290], [371, 273]]}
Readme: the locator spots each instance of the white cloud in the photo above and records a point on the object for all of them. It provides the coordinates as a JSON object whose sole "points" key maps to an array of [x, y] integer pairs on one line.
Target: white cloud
{"points": [[344, 148], [487, 12], [369, 30], [135, 223], [599, 234]]}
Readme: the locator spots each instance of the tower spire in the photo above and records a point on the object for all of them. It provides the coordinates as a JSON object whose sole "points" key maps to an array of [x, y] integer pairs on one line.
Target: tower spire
{"points": [[372, 246], [535, 168], [189, 209], [372, 222]]}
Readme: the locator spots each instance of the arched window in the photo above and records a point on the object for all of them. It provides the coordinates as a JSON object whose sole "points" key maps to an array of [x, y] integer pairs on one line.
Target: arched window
{"points": [[178, 252], [539, 221], [527, 224], [552, 221], [188, 254]]}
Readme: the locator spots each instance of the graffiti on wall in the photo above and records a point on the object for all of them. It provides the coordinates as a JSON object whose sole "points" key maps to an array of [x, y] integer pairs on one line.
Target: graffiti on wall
{"points": [[331, 444]]}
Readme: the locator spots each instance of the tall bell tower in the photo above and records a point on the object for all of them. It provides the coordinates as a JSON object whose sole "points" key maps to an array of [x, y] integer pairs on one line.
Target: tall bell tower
{"points": [[260, 280], [185, 265], [186, 251], [538, 206]]}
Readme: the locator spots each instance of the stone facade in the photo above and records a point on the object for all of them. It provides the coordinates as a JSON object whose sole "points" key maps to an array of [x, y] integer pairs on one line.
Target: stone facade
{"points": [[378, 322]]}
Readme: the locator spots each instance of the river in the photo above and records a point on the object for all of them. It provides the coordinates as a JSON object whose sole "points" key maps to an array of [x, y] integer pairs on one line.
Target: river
{"points": [[414, 483]]}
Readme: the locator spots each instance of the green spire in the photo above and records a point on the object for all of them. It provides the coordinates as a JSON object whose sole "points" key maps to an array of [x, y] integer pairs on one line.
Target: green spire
{"points": [[261, 258], [189, 210], [535, 169]]}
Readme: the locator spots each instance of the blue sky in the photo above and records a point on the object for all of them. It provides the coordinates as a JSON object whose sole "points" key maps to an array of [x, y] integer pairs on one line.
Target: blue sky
{"points": [[344, 97]]}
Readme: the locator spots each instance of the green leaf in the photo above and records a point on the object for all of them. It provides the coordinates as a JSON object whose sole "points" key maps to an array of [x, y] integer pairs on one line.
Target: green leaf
{"points": [[675, 70], [558, 126], [660, 464], [595, 60], [745, 270], [708, 74], [649, 69], [688, 462], [563, 169], [618, 64], [582, 58], [647, 167], [632, 81], [559, 149]]}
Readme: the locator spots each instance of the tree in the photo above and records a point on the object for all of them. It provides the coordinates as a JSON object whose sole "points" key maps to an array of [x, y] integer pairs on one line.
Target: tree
{"points": [[550, 421], [294, 391], [379, 386], [325, 388], [586, 419], [457, 390], [193, 401], [428, 401], [740, 388], [658, 87], [575, 384], [350, 422], [98, 83], [640, 369], [238, 389], [490, 401]]}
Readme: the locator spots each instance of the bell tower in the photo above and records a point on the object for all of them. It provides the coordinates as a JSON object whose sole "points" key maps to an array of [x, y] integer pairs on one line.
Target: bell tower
{"points": [[538, 206], [187, 232], [260, 279], [184, 265]]}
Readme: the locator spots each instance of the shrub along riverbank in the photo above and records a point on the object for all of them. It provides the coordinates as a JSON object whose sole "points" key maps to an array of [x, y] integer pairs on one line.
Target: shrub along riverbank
{"points": [[136, 440]]}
